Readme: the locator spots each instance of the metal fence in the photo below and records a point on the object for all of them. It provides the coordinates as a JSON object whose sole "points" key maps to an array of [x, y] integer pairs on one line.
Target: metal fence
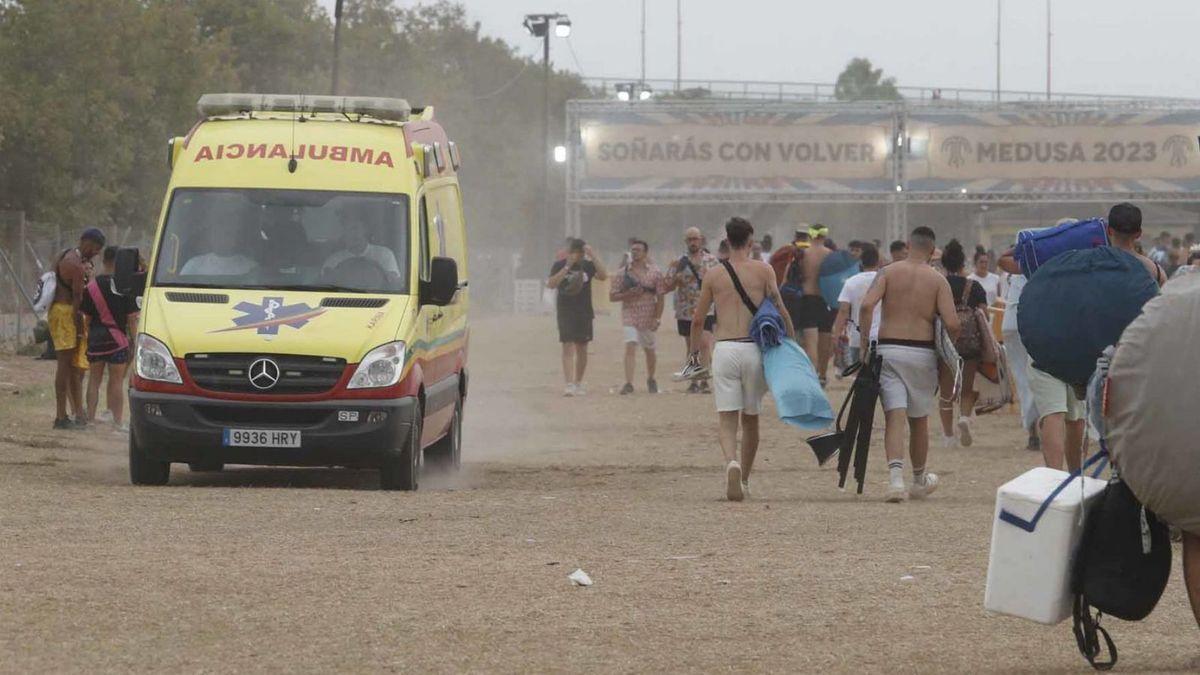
{"points": [[825, 92]]}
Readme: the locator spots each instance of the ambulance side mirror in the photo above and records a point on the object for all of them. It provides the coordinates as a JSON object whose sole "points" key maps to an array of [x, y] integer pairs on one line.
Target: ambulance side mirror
{"points": [[442, 284], [127, 278]]}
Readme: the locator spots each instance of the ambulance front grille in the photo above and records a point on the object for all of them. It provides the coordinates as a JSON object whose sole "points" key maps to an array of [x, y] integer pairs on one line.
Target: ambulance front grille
{"points": [[230, 373]]}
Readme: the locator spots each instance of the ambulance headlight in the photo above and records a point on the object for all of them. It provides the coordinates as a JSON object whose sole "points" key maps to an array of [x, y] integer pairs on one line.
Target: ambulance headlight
{"points": [[379, 368], [154, 361]]}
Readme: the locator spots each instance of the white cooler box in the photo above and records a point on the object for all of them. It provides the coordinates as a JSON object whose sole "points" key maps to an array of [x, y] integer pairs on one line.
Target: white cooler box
{"points": [[1029, 573]]}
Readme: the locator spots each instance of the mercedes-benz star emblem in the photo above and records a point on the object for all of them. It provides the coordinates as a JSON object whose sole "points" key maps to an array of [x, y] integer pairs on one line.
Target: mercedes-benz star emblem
{"points": [[264, 374]]}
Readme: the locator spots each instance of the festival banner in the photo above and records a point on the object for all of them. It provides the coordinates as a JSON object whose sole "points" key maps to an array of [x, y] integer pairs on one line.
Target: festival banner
{"points": [[1053, 151], [735, 152]]}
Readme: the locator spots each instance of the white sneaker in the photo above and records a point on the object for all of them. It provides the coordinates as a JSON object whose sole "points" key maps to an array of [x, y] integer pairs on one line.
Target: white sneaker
{"points": [[692, 370], [949, 442], [733, 482], [580, 390], [925, 488], [569, 391], [964, 431], [895, 493]]}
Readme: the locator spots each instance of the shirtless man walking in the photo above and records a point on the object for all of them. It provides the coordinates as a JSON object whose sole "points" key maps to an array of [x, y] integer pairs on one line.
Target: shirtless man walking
{"points": [[913, 294], [814, 316], [737, 369]]}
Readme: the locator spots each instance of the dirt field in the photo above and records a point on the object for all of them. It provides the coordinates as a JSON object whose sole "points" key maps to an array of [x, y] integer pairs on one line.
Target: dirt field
{"points": [[315, 570]]}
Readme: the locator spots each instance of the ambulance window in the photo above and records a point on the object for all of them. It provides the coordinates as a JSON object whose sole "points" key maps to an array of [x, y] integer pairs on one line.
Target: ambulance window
{"points": [[286, 239], [424, 219]]}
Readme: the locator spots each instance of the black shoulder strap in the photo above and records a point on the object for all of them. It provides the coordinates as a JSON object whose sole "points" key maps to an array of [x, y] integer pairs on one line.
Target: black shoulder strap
{"points": [[695, 272], [737, 283]]}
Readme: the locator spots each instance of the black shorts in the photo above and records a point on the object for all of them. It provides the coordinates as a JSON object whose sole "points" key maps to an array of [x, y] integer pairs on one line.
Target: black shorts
{"points": [[116, 358], [685, 326], [809, 311], [830, 318], [574, 327]]}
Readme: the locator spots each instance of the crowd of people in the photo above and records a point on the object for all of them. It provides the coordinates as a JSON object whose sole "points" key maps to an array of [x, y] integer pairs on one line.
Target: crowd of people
{"points": [[90, 330], [891, 304]]}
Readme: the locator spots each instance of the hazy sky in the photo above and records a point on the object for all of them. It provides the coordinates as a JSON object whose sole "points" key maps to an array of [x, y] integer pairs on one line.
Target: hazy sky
{"points": [[1149, 47]]}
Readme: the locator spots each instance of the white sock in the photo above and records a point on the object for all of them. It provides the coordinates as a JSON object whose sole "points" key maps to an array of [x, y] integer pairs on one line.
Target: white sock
{"points": [[896, 471]]}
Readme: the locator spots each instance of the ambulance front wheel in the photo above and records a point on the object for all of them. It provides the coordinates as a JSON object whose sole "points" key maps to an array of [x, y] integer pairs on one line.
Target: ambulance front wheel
{"points": [[145, 470], [400, 469]]}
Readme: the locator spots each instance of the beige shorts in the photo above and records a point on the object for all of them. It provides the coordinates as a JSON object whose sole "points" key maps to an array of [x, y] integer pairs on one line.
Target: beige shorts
{"points": [[1051, 395], [909, 379], [644, 338], [738, 380]]}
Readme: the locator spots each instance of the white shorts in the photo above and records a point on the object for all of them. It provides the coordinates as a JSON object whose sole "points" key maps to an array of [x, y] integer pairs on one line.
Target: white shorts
{"points": [[738, 380], [645, 338], [909, 379], [1051, 395]]}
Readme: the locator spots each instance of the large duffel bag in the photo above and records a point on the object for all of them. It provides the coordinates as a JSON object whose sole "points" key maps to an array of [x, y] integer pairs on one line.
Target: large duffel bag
{"points": [[1076, 305], [1036, 247]]}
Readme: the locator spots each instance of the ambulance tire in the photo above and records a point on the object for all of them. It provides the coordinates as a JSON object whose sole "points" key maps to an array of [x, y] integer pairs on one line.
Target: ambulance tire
{"points": [[205, 467], [401, 469], [446, 454], [145, 470]]}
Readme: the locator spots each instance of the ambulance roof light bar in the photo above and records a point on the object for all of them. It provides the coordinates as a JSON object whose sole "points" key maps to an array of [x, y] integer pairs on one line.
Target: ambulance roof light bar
{"points": [[218, 105]]}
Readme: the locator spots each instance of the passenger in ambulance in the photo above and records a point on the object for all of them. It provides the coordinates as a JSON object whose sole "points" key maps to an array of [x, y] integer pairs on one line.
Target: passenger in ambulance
{"points": [[223, 227], [357, 248]]}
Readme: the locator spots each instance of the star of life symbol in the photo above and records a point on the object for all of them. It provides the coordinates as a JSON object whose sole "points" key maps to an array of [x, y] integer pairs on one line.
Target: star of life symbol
{"points": [[266, 317]]}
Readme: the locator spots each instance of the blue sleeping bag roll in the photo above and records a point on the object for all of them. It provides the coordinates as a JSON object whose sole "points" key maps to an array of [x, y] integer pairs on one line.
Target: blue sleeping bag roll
{"points": [[799, 398], [1077, 304], [1037, 247]]}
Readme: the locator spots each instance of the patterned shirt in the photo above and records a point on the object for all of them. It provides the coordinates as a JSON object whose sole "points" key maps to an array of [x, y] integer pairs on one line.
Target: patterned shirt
{"points": [[688, 292], [639, 310]]}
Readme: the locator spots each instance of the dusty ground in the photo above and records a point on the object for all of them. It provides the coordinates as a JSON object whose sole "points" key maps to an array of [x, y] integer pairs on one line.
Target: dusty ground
{"points": [[315, 570]]}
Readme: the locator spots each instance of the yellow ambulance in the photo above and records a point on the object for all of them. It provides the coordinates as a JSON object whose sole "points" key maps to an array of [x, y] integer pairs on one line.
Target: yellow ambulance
{"points": [[306, 295]]}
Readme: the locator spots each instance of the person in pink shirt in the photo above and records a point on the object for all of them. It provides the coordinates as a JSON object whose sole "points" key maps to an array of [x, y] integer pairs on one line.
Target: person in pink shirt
{"points": [[639, 287]]}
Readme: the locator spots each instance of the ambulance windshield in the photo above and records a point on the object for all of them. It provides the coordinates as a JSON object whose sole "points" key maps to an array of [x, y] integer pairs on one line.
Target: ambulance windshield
{"points": [[285, 240]]}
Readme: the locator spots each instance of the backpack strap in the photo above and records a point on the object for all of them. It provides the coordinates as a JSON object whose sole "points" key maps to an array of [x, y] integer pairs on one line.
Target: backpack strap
{"points": [[737, 284], [1088, 631], [966, 294], [106, 318], [695, 272]]}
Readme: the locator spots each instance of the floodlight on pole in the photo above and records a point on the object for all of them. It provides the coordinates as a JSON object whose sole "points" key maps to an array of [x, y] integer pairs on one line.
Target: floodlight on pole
{"points": [[560, 153], [645, 93], [542, 26]]}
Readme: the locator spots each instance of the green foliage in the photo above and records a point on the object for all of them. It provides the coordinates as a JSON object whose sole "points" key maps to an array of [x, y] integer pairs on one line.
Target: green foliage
{"points": [[860, 82], [90, 90]]}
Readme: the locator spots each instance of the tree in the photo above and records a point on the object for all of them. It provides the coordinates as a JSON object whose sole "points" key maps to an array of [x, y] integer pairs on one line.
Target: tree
{"points": [[860, 82], [90, 90]]}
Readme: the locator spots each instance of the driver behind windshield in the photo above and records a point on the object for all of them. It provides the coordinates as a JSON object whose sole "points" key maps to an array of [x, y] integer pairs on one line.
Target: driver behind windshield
{"points": [[223, 230], [356, 245]]}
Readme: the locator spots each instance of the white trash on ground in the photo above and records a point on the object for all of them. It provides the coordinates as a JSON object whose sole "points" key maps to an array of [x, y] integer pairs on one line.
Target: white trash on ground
{"points": [[580, 578]]}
